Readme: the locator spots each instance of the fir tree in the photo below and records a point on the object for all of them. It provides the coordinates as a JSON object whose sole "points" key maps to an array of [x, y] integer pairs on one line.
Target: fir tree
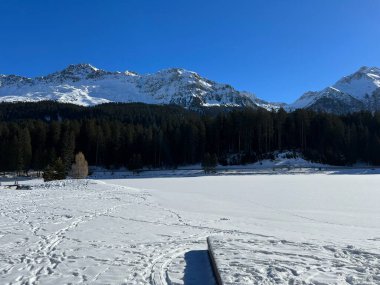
{"points": [[209, 163], [55, 171], [135, 163]]}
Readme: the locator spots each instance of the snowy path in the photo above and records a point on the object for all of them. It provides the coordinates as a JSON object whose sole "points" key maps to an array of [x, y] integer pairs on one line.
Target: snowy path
{"points": [[153, 231]]}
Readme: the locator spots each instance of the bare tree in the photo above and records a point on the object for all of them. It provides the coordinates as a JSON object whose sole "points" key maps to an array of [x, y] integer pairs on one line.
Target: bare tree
{"points": [[79, 169]]}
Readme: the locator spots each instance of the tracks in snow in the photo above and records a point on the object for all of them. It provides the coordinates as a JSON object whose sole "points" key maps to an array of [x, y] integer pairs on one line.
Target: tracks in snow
{"points": [[42, 254], [62, 235]]}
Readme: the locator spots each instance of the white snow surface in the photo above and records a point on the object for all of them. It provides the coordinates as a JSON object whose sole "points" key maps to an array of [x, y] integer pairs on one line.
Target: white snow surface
{"points": [[86, 85], [278, 229], [360, 85]]}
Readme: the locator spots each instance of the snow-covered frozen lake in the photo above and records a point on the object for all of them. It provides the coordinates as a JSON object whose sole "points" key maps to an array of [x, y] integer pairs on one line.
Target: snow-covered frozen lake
{"points": [[284, 229]]}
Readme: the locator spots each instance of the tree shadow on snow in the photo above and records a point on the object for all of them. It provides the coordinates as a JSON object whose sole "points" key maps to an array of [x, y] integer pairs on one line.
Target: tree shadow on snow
{"points": [[198, 268]]}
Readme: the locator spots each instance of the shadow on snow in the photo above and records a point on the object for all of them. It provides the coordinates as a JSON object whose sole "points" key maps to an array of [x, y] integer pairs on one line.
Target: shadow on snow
{"points": [[198, 268]]}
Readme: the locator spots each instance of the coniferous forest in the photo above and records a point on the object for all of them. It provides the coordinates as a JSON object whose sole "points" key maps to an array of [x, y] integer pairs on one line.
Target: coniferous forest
{"points": [[33, 135]]}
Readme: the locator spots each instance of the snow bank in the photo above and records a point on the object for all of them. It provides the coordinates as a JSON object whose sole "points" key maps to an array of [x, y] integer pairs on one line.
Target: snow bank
{"points": [[71, 184]]}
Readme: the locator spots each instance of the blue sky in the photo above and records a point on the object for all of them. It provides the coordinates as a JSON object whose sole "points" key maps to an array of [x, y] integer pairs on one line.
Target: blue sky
{"points": [[275, 48]]}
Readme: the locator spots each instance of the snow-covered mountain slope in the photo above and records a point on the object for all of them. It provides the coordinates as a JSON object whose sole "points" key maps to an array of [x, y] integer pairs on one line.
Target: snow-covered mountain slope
{"points": [[358, 91], [86, 85]]}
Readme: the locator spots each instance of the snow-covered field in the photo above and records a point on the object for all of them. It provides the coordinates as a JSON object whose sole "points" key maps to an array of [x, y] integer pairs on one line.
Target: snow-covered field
{"points": [[279, 229]]}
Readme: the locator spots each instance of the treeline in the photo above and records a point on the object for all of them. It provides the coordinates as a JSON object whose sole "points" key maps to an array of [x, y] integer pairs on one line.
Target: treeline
{"points": [[33, 135]]}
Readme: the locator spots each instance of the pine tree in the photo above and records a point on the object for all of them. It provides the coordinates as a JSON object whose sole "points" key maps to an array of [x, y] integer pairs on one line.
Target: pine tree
{"points": [[213, 162], [68, 147], [206, 162], [55, 171], [135, 163], [25, 149], [209, 162]]}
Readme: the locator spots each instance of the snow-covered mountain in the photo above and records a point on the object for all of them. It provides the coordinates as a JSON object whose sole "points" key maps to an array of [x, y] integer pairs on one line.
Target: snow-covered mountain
{"points": [[86, 85], [358, 91]]}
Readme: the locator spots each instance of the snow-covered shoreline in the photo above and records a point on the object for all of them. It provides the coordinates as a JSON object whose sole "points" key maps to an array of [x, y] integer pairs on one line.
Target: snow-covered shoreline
{"points": [[196, 171], [285, 162]]}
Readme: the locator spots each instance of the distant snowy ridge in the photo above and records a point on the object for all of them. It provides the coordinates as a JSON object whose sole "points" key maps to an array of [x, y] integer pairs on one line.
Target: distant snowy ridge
{"points": [[358, 91], [86, 85]]}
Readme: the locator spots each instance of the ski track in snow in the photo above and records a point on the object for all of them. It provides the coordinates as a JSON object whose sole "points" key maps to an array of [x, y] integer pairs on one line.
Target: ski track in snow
{"points": [[109, 233]]}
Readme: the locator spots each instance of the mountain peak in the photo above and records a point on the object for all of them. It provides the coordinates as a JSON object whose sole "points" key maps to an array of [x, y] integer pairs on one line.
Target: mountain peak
{"points": [[366, 69], [81, 66], [357, 91], [177, 71], [368, 73], [81, 69], [75, 72]]}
